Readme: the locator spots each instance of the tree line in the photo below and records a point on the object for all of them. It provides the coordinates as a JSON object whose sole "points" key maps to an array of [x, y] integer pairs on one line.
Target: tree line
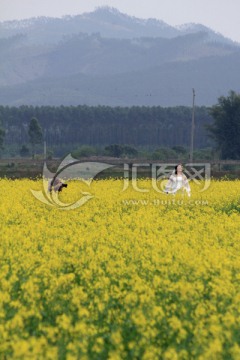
{"points": [[126, 127], [104, 125]]}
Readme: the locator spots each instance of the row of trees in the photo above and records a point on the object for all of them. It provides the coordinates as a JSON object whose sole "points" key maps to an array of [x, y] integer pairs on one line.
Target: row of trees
{"points": [[104, 125], [2, 134], [35, 137], [136, 126]]}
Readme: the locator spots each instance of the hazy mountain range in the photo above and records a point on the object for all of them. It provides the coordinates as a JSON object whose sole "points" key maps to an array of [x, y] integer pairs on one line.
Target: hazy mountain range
{"points": [[109, 58]]}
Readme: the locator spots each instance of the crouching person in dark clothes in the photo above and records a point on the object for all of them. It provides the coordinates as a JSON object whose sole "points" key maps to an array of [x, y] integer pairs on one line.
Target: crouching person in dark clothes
{"points": [[56, 184]]}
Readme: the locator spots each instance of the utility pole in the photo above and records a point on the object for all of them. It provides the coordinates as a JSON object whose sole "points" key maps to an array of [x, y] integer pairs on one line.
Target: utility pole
{"points": [[192, 127]]}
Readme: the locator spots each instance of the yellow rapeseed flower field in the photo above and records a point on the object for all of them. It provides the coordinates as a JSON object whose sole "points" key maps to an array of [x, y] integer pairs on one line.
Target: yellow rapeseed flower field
{"points": [[128, 275]]}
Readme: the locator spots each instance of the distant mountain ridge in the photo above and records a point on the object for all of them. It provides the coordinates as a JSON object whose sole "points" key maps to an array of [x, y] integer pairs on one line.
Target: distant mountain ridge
{"points": [[106, 57], [109, 22]]}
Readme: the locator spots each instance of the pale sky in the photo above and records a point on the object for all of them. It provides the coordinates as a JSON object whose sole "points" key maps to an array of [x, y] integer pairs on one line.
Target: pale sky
{"points": [[220, 15]]}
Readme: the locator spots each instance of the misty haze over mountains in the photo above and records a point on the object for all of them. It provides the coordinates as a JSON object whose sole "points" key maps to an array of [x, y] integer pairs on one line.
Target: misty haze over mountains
{"points": [[109, 58]]}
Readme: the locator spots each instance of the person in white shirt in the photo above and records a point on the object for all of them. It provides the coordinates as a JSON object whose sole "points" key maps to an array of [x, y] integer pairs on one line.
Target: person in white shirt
{"points": [[177, 181]]}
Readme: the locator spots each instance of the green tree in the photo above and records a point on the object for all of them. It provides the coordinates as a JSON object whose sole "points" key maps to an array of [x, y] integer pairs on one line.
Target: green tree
{"points": [[130, 151], [84, 151], [226, 127], [181, 150], [35, 134], [164, 154], [114, 150], [24, 151]]}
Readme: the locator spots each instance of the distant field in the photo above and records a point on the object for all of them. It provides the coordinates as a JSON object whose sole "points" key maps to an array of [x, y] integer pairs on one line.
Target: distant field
{"points": [[128, 275], [20, 168]]}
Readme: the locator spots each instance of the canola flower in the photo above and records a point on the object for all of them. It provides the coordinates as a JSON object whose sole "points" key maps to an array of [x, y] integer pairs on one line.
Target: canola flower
{"points": [[129, 275]]}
